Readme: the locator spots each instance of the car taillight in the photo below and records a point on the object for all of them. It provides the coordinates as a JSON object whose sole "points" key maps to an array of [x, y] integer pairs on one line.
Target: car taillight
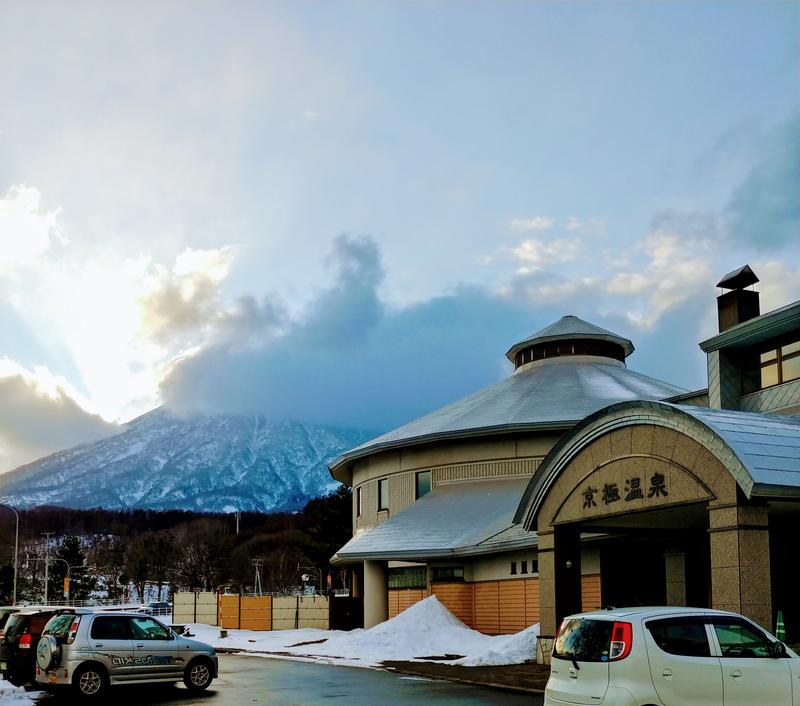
{"points": [[25, 641], [621, 639], [73, 630]]}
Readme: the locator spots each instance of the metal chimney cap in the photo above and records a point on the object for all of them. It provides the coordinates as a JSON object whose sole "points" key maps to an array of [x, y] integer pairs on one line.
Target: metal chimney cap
{"points": [[738, 279]]}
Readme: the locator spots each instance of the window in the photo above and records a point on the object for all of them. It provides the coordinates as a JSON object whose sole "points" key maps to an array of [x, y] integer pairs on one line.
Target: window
{"points": [[523, 567], [738, 639], [358, 502], [59, 625], [408, 577], [513, 567], [680, 636], [149, 629], [444, 574], [110, 628], [423, 483], [772, 367], [534, 566], [584, 640], [383, 494]]}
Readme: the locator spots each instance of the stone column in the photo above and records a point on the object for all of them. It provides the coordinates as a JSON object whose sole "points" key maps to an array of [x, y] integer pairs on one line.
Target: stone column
{"points": [[376, 593], [675, 565], [740, 570]]}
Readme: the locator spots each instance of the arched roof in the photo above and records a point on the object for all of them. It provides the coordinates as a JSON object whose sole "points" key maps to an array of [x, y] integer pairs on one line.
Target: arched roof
{"points": [[762, 451]]}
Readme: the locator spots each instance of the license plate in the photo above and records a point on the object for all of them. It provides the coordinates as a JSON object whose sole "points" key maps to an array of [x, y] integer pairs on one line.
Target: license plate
{"points": [[51, 678]]}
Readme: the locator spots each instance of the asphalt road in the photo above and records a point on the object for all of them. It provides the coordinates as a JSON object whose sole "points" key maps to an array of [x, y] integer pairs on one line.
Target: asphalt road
{"points": [[254, 680]]}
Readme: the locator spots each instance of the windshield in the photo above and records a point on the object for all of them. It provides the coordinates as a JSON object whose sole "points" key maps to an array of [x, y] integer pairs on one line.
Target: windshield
{"points": [[584, 640], [59, 625]]}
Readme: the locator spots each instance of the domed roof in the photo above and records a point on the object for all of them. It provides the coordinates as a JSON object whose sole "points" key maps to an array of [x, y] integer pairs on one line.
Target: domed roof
{"points": [[569, 328], [550, 394]]}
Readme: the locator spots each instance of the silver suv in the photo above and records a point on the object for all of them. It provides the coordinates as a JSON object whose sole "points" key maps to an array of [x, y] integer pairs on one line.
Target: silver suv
{"points": [[91, 651]]}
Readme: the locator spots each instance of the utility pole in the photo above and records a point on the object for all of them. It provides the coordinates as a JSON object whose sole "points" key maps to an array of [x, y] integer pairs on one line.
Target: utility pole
{"points": [[46, 536], [238, 516], [257, 581]]}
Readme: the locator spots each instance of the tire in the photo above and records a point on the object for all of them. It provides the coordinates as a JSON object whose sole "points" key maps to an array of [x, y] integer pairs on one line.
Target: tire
{"points": [[198, 675], [90, 681], [48, 653], [17, 678]]}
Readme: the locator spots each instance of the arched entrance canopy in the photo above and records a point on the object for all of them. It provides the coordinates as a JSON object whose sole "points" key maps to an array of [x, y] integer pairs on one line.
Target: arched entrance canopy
{"points": [[760, 451]]}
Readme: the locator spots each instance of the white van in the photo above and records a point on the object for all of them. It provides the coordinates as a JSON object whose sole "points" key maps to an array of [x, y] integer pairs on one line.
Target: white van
{"points": [[670, 657]]}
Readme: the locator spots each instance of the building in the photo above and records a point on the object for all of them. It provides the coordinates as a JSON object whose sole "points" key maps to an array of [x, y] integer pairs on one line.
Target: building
{"points": [[577, 482]]}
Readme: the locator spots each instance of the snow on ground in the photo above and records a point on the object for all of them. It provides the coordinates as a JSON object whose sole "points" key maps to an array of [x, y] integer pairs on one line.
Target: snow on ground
{"points": [[13, 695], [426, 629]]}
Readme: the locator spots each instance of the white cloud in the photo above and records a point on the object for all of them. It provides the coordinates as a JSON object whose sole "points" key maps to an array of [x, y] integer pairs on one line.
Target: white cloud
{"points": [[531, 224], [537, 253], [26, 230]]}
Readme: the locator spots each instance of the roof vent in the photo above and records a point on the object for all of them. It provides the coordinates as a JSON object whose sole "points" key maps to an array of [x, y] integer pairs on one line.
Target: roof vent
{"points": [[740, 304]]}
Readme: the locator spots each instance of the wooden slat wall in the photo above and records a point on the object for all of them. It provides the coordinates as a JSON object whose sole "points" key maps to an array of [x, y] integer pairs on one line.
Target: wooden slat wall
{"points": [[487, 606], [256, 613], [531, 601], [402, 598], [457, 598], [229, 611], [512, 606], [590, 592]]}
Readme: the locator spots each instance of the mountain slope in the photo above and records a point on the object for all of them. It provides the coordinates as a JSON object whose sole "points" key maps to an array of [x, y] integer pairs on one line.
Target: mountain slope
{"points": [[212, 464]]}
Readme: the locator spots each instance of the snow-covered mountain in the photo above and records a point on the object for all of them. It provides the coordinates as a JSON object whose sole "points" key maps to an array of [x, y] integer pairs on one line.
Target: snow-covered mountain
{"points": [[210, 464]]}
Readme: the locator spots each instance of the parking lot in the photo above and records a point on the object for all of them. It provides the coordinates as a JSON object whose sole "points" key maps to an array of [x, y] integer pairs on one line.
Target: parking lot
{"points": [[253, 680]]}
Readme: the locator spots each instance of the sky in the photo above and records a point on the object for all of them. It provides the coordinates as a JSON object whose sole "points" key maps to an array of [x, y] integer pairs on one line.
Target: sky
{"points": [[346, 212]]}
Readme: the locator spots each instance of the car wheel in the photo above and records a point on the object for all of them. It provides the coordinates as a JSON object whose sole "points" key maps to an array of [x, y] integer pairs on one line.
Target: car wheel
{"points": [[197, 675], [17, 678], [90, 681]]}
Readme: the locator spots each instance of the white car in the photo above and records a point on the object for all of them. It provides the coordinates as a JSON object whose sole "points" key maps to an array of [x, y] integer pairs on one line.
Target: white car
{"points": [[670, 657]]}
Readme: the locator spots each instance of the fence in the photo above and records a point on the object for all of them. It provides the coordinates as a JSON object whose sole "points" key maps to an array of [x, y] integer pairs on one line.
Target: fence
{"points": [[251, 612]]}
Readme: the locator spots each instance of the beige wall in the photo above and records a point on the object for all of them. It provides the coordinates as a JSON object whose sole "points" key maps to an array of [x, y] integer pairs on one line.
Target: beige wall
{"points": [[458, 460]]}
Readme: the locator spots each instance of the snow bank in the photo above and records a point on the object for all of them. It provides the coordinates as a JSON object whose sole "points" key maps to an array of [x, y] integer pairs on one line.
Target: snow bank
{"points": [[425, 630], [13, 695]]}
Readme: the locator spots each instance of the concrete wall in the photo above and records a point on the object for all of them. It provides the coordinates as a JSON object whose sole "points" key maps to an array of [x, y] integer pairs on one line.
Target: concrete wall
{"points": [[194, 607]]}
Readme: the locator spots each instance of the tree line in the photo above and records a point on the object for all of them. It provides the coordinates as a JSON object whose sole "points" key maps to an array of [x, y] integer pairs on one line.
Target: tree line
{"points": [[111, 552]]}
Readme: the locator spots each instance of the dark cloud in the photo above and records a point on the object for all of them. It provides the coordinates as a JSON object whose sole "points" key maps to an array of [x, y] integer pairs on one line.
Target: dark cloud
{"points": [[765, 208], [353, 361], [33, 424]]}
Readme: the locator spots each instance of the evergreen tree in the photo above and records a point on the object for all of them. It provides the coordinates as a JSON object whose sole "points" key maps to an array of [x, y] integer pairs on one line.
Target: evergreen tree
{"points": [[82, 582]]}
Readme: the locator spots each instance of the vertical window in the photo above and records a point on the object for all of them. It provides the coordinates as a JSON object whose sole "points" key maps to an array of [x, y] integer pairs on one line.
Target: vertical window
{"points": [[513, 567], [358, 502], [523, 567], [383, 494], [423, 483], [772, 367]]}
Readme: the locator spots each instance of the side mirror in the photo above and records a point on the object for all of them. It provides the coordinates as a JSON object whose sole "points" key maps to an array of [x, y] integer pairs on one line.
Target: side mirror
{"points": [[777, 650]]}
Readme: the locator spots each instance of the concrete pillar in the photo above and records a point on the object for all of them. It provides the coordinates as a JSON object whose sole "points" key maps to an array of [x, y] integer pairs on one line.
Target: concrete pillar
{"points": [[740, 570], [567, 559], [376, 593], [356, 590], [675, 565]]}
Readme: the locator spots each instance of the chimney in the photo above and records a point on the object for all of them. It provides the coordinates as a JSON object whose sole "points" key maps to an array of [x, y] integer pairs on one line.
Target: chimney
{"points": [[739, 304]]}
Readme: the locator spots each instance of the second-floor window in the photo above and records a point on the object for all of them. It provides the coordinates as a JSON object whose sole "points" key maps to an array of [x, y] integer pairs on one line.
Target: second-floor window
{"points": [[423, 483], [358, 502], [383, 494], [772, 367]]}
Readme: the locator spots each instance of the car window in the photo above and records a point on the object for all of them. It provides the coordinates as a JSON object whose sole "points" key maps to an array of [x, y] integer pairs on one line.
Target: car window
{"points": [[680, 636], [59, 625], [111, 627], [148, 629], [738, 639], [16, 625], [584, 640]]}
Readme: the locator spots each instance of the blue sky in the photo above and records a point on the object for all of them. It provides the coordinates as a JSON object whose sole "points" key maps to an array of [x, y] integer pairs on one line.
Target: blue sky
{"points": [[306, 209]]}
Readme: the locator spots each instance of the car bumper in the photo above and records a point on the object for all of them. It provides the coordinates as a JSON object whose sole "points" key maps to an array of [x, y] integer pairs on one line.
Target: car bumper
{"points": [[57, 676]]}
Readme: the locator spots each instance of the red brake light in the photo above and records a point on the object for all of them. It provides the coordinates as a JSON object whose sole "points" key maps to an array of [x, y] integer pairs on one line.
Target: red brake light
{"points": [[621, 641], [73, 630], [25, 641]]}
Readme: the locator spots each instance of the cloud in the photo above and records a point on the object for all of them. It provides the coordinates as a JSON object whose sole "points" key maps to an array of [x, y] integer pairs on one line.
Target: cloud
{"points": [[40, 415], [26, 230], [765, 208], [528, 224], [536, 252]]}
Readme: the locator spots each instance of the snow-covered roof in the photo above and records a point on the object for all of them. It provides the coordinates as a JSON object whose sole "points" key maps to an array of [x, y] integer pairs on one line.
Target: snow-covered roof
{"points": [[570, 328], [456, 519], [554, 393]]}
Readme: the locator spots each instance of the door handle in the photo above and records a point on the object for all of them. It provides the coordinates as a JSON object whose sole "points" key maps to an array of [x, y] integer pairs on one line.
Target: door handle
{"points": [[98, 644], [736, 674], [667, 674], [139, 647]]}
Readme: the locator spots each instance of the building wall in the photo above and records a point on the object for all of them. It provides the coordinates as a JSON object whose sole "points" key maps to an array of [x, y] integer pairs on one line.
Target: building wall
{"points": [[452, 461]]}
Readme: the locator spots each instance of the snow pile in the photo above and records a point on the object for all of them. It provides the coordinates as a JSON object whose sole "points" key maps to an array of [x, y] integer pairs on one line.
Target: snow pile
{"points": [[425, 630], [11, 695]]}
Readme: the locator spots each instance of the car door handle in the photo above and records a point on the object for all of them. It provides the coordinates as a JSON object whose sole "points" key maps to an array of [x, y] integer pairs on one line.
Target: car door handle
{"points": [[139, 647], [736, 674], [667, 674], [98, 644]]}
